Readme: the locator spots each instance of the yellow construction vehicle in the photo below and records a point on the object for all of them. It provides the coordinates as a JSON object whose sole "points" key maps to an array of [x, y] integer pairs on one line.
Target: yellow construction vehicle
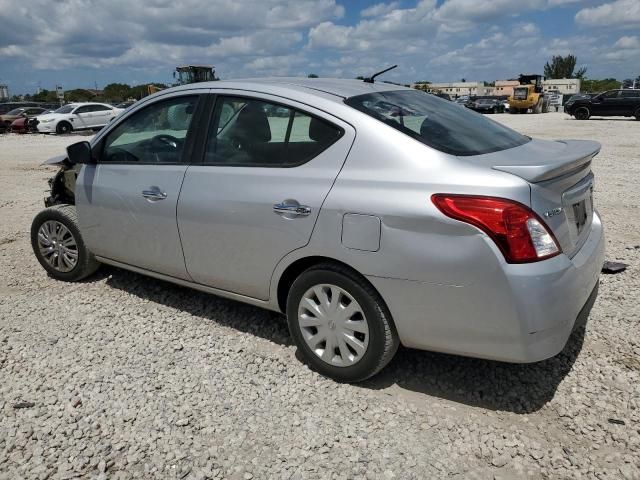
{"points": [[529, 95], [194, 74]]}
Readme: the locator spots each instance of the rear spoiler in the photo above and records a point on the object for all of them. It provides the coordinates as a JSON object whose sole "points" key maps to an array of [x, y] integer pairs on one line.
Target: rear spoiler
{"points": [[576, 156]]}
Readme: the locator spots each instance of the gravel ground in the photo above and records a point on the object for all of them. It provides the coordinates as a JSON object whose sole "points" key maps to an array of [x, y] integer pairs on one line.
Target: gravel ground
{"points": [[123, 376]]}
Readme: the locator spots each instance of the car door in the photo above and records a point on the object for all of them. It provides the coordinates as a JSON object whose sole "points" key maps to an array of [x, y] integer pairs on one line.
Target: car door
{"points": [[127, 201], [605, 104], [629, 101], [101, 114], [82, 117], [267, 166]]}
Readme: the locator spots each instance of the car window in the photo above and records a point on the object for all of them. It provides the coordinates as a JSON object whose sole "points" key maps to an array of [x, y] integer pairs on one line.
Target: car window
{"points": [[65, 109], [629, 93], [99, 108], [16, 111], [155, 134], [613, 94], [83, 109], [250, 132], [438, 123]]}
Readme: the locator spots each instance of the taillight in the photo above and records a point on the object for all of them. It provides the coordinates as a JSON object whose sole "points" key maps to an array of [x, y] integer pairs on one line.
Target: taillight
{"points": [[520, 234]]}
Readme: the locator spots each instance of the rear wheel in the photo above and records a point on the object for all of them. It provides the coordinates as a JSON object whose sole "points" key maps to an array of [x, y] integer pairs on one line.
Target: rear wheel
{"points": [[58, 245], [582, 113], [340, 324], [637, 114], [63, 127]]}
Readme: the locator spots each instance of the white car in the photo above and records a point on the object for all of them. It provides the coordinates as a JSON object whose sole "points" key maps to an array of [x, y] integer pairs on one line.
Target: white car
{"points": [[77, 116]]}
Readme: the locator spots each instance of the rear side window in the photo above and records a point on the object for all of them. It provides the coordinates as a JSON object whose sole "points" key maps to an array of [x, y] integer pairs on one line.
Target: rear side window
{"points": [[251, 132], [630, 94], [99, 108], [438, 123]]}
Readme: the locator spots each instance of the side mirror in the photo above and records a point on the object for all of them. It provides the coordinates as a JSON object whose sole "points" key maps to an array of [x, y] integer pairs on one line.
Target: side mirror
{"points": [[80, 153]]}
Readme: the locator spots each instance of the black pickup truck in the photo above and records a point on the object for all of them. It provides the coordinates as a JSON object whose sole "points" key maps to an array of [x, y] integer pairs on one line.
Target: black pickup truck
{"points": [[614, 103]]}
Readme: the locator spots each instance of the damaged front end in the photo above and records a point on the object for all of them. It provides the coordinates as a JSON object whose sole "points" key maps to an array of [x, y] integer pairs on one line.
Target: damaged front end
{"points": [[62, 185]]}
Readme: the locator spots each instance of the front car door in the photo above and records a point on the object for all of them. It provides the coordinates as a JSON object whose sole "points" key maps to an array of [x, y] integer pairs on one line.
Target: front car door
{"points": [[605, 104], [267, 167], [127, 201], [82, 117]]}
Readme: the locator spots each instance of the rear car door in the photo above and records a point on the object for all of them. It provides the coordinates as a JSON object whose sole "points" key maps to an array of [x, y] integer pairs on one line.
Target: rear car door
{"points": [[101, 115], [629, 101], [127, 201], [267, 166]]}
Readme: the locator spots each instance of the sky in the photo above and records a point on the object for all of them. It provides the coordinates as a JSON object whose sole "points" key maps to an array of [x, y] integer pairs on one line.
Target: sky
{"points": [[83, 43]]}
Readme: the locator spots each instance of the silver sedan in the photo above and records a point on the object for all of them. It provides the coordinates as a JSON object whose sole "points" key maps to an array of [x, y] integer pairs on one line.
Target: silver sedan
{"points": [[372, 215]]}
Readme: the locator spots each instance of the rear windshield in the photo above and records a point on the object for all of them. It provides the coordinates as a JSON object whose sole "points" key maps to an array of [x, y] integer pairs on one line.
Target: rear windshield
{"points": [[437, 123]]}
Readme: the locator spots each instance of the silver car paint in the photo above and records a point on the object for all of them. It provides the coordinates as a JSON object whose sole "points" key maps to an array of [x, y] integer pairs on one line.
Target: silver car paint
{"points": [[446, 283]]}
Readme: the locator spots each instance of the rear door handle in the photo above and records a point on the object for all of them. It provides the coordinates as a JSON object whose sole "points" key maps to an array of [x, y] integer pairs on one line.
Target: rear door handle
{"points": [[292, 209], [154, 194]]}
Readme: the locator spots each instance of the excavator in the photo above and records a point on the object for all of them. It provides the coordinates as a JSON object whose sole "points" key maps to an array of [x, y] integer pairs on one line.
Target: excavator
{"points": [[188, 74], [529, 95]]}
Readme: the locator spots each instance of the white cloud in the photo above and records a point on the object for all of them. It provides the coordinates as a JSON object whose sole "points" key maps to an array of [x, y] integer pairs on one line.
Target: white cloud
{"points": [[620, 13], [379, 9], [628, 42]]}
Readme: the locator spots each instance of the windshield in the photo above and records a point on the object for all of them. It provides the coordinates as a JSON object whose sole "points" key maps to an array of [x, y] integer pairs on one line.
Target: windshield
{"points": [[15, 111], [438, 123], [65, 109], [485, 100]]}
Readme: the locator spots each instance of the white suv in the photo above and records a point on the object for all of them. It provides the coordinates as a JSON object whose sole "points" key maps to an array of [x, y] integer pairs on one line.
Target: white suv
{"points": [[77, 116]]}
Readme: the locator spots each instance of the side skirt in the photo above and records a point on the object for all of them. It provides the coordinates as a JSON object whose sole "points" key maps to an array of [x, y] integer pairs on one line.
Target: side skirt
{"points": [[196, 286]]}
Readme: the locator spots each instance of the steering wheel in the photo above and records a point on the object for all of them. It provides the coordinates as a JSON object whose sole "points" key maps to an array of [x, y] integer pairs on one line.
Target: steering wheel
{"points": [[164, 140]]}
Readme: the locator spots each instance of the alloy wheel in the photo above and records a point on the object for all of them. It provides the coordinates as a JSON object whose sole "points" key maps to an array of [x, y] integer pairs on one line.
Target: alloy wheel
{"points": [[333, 325], [57, 246]]}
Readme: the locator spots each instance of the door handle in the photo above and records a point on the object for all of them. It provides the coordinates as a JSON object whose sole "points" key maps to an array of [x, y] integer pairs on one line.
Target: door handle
{"points": [[292, 209], [154, 194]]}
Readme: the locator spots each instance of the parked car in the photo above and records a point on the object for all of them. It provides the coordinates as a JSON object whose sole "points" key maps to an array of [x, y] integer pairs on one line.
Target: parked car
{"points": [[8, 106], [486, 105], [77, 116], [440, 230], [619, 103], [125, 105], [23, 112], [25, 124], [463, 101]]}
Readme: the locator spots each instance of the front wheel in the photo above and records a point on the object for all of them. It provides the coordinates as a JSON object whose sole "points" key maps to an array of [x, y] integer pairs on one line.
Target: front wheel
{"points": [[582, 113], [58, 245], [341, 326], [63, 127]]}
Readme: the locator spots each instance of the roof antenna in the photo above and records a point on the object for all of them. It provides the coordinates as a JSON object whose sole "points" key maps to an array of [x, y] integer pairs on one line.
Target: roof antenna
{"points": [[370, 79]]}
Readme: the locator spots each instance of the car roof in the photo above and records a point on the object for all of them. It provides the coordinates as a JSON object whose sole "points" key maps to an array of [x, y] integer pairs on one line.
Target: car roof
{"points": [[339, 88]]}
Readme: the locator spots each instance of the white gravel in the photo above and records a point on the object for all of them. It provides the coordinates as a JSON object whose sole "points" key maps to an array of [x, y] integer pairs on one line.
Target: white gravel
{"points": [[123, 376]]}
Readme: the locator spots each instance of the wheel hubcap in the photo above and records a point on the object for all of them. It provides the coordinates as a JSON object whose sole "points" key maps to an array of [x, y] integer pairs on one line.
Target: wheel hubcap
{"points": [[333, 325], [57, 246]]}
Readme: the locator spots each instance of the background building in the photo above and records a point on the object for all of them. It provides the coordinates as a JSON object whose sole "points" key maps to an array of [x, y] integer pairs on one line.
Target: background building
{"points": [[564, 86], [4, 92], [458, 89]]}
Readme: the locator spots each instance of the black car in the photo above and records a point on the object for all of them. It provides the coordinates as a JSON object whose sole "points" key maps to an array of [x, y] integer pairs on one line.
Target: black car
{"points": [[486, 105], [614, 103]]}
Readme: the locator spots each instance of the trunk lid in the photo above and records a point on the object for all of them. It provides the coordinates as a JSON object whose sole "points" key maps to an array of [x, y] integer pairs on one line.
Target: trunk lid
{"points": [[561, 182]]}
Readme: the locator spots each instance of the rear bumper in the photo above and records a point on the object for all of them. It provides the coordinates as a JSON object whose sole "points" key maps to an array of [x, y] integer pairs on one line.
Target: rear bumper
{"points": [[520, 313]]}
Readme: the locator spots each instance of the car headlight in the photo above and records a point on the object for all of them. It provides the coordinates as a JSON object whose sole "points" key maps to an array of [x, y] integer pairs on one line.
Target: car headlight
{"points": [[47, 120]]}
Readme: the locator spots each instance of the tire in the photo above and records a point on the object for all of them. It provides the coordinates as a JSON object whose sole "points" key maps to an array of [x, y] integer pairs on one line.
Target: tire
{"points": [[63, 127], [370, 313], [538, 106], [56, 241], [513, 110], [582, 113], [637, 114]]}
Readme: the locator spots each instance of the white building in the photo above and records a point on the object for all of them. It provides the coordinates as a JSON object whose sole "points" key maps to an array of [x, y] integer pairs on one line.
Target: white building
{"points": [[562, 86], [458, 89], [4, 92]]}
